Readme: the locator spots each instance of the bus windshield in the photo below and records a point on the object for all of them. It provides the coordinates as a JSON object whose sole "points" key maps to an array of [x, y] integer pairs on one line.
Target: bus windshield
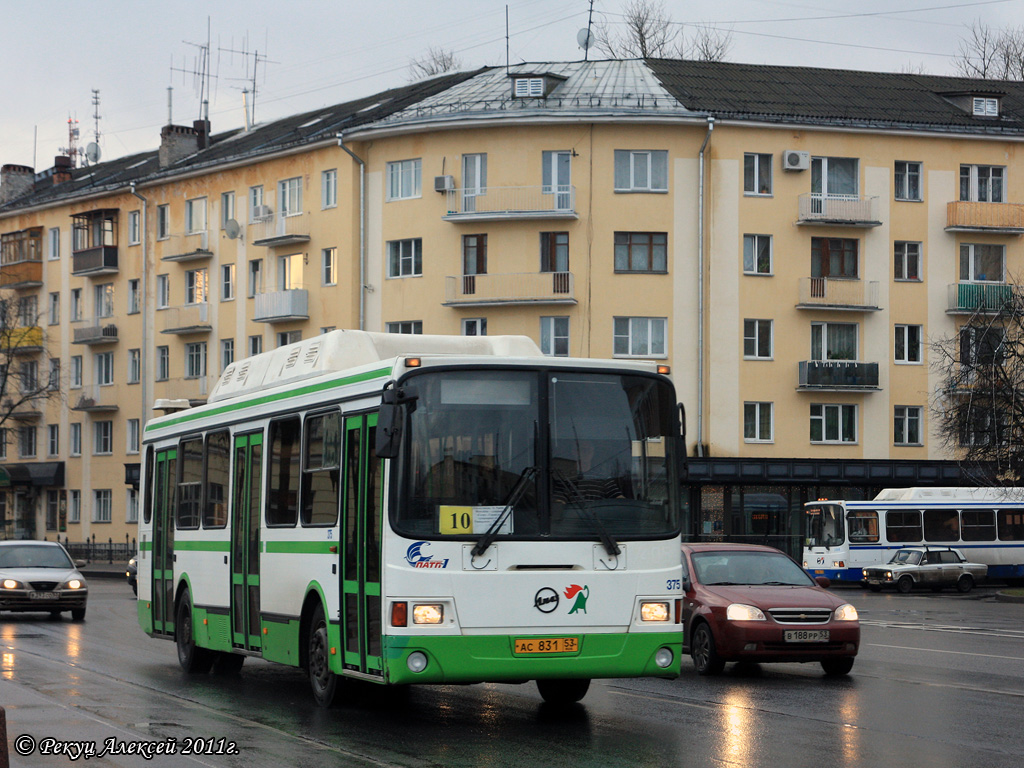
{"points": [[825, 525], [524, 453]]}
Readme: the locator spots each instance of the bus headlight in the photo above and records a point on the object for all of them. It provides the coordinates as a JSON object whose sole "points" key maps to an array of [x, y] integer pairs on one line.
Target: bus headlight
{"points": [[654, 612], [846, 613], [741, 612], [427, 614], [663, 657], [417, 661]]}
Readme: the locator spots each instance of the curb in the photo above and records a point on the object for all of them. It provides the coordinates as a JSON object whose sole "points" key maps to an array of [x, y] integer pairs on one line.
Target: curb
{"points": [[5, 758], [1002, 597]]}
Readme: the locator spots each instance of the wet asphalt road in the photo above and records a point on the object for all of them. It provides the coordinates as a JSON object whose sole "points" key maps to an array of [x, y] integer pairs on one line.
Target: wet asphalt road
{"points": [[939, 682]]}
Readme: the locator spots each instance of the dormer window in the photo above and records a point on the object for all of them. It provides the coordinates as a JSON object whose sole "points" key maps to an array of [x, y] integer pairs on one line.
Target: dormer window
{"points": [[985, 106], [528, 87]]}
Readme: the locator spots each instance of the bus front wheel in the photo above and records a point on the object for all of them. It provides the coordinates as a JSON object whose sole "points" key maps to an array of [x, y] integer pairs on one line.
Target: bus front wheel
{"points": [[323, 682], [192, 658], [563, 691]]}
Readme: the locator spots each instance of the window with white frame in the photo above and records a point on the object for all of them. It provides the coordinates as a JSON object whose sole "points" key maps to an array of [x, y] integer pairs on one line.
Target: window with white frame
{"points": [[134, 366], [757, 174], [54, 308], [641, 170], [76, 305], [554, 336], [227, 208], [195, 215], [131, 436], [288, 337], [255, 282], [833, 423], [53, 439], [405, 258], [3, 452], [27, 442], [134, 296], [163, 363], [907, 424], [289, 196], [983, 183], [103, 363], [196, 286], [101, 511], [907, 261], [834, 341], [556, 177], [75, 440], [329, 266], [640, 337], [406, 326], [908, 181], [53, 244], [474, 326], [163, 291], [255, 345], [28, 311], [405, 179], [289, 272], [74, 506], [758, 422], [103, 437], [28, 372], [227, 282], [908, 344], [75, 374], [103, 300], [227, 353], [329, 188], [54, 373], [835, 176], [131, 506], [195, 360], [757, 339], [985, 106], [163, 222], [256, 208], [757, 254], [134, 227], [982, 262]]}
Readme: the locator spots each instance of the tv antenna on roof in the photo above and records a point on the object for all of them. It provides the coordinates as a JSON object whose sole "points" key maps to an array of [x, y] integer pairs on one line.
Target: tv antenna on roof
{"points": [[250, 82], [585, 38]]}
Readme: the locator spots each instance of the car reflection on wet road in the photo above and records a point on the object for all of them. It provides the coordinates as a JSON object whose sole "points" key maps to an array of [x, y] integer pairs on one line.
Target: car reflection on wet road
{"points": [[936, 682]]}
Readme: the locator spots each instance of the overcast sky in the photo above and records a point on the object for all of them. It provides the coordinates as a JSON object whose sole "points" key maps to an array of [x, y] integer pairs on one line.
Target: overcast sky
{"points": [[318, 52]]}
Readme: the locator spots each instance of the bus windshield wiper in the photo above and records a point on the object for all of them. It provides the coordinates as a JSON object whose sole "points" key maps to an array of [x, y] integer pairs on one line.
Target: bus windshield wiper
{"points": [[514, 495], [610, 545]]}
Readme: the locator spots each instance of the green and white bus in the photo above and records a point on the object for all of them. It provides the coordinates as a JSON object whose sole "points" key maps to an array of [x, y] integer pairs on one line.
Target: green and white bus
{"points": [[419, 509]]}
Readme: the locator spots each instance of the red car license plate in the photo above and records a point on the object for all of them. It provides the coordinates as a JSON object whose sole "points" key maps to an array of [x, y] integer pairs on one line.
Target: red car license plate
{"points": [[805, 635]]}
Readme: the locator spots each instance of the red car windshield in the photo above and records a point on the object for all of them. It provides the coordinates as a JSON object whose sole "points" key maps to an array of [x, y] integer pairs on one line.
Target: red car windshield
{"points": [[737, 567]]}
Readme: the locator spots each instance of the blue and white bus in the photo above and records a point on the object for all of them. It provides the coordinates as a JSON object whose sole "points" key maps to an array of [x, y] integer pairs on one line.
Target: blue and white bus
{"points": [[986, 524]]}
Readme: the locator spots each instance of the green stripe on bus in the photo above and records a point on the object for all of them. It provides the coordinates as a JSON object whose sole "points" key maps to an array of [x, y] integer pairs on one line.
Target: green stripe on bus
{"points": [[307, 390], [202, 546], [301, 547]]}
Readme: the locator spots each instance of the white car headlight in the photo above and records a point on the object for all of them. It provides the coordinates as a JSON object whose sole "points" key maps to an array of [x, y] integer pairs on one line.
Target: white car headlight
{"points": [[741, 612], [846, 613], [10, 584], [74, 584]]}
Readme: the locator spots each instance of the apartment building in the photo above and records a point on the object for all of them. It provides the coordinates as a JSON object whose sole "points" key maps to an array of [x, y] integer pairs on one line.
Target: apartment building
{"points": [[787, 239]]}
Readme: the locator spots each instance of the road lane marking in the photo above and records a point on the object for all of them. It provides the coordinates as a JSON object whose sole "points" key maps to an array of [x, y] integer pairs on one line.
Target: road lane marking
{"points": [[936, 650]]}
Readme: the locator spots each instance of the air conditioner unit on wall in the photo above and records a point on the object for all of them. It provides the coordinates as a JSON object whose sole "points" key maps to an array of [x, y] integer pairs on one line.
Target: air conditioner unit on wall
{"points": [[795, 160], [444, 183]]}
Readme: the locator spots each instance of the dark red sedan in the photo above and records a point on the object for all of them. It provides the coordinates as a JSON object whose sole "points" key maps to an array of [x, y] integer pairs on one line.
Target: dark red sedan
{"points": [[745, 602]]}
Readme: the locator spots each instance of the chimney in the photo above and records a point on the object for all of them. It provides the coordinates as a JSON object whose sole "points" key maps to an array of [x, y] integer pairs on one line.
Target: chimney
{"points": [[202, 129], [61, 169], [176, 142], [15, 181]]}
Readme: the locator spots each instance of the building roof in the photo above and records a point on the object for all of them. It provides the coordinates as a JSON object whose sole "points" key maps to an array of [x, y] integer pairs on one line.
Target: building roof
{"points": [[634, 89]]}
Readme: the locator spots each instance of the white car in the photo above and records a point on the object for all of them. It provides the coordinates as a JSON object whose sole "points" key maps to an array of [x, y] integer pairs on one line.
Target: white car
{"points": [[40, 576], [927, 566]]}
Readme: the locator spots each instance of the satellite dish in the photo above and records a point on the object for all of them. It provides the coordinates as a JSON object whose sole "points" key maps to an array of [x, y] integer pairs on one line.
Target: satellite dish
{"points": [[584, 38], [231, 229], [92, 152]]}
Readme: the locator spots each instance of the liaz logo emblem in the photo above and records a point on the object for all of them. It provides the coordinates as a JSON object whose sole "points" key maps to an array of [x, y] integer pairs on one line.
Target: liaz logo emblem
{"points": [[547, 599], [414, 556]]}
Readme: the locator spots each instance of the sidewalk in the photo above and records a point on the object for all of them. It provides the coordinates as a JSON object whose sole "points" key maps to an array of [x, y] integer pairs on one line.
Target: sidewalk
{"points": [[104, 570]]}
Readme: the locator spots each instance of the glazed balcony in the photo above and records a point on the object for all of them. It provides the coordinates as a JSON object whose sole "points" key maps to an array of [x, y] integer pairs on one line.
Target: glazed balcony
{"points": [[512, 288], [838, 210], [998, 218], [21, 274], [275, 229], [281, 306], [984, 298], [191, 318], [21, 340], [194, 246], [21, 258], [98, 331], [837, 375], [96, 398], [92, 262], [838, 294], [505, 203]]}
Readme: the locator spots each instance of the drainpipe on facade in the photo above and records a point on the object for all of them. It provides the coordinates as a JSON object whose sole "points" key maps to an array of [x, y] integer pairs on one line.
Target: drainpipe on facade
{"points": [[362, 231], [700, 293], [144, 351]]}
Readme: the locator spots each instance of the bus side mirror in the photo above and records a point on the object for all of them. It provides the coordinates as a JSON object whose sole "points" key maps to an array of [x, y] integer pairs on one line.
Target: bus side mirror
{"points": [[391, 417], [683, 467]]}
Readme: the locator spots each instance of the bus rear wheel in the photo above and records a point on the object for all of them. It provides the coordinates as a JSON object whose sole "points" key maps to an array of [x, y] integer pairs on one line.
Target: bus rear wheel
{"points": [[323, 682], [192, 658], [563, 691]]}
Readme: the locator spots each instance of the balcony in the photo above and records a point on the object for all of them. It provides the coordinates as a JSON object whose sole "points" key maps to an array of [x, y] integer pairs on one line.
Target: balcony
{"points": [[984, 298], [278, 229], [24, 411], [1004, 218], [21, 340], [194, 389], [513, 288], [838, 294], [838, 210], [191, 318], [21, 258], [194, 246], [504, 203], [837, 375], [92, 262], [96, 399], [282, 306], [96, 332], [21, 274]]}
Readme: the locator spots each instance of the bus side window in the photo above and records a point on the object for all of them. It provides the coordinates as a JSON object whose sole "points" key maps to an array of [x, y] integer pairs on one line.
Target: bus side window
{"points": [[1011, 524], [283, 483], [863, 526], [978, 525]]}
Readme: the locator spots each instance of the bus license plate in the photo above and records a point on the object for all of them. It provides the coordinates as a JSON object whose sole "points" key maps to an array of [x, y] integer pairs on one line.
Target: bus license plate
{"points": [[547, 645], [805, 635], [42, 595]]}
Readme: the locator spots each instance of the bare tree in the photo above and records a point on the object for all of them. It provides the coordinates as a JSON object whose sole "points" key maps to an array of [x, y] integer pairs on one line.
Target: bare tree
{"points": [[991, 54], [435, 62], [649, 32], [706, 44], [25, 385], [978, 407]]}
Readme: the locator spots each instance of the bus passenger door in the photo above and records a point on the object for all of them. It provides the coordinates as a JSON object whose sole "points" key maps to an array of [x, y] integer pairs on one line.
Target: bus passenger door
{"points": [[361, 566], [164, 479], [245, 542]]}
